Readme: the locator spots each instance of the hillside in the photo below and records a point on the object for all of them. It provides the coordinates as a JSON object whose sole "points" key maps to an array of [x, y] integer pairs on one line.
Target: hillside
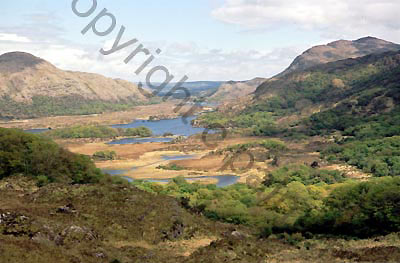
{"points": [[370, 82], [233, 90], [78, 214], [32, 87], [336, 95], [318, 55], [338, 50]]}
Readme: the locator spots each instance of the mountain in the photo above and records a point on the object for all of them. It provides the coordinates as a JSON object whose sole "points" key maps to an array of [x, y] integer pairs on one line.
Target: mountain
{"points": [[27, 81], [336, 96], [333, 82], [233, 90], [338, 50], [196, 88]]}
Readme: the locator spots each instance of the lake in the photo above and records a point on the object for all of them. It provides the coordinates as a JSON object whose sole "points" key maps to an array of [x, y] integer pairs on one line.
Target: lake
{"points": [[177, 157], [159, 128], [140, 140], [223, 180]]}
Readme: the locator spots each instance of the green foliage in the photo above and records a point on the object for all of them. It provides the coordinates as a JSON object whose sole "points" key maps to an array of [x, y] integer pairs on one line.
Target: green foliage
{"points": [[362, 79], [271, 145], [105, 155], [139, 131], [258, 123], [42, 180], [172, 167], [360, 127], [77, 132], [263, 207], [296, 199], [35, 156], [379, 157], [359, 209], [304, 174], [383, 125]]}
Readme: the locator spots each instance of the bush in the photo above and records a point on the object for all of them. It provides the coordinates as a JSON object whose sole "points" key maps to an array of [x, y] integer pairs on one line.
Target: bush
{"points": [[105, 155], [172, 167], [35, 156], [358, 209], [139, 131], [303, 174]]}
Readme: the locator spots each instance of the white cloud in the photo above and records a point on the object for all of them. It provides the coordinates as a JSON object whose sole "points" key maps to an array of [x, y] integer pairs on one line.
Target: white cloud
{"points": [[198, 63], [337, 18], [183, 58], [13, 38], [218, 64]]}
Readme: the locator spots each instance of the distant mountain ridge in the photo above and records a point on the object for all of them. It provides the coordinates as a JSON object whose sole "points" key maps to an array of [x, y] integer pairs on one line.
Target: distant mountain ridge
{"points": [[339, 50], [26, 79], [233, 90], [195, 88]]}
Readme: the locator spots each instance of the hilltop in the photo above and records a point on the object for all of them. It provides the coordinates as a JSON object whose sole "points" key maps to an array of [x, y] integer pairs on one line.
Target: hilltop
{"points": [[339, 50]]}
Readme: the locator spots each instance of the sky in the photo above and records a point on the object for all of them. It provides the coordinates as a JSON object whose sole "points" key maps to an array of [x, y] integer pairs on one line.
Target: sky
{"points": [[201, 39]]}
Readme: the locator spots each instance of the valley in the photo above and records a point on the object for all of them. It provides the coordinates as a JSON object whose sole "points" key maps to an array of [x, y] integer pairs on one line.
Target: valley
{"points": [[301, 167]]}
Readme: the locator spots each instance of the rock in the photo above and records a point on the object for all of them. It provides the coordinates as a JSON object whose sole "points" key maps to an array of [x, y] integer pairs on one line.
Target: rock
{"points": [[238, 235], [45, 236], [16, 225], [67, 209], [315, 164], [100, 255], [75, 234]]}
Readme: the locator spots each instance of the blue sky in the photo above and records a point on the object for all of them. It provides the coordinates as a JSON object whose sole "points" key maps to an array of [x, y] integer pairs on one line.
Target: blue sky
{"points": [[203, 39]]}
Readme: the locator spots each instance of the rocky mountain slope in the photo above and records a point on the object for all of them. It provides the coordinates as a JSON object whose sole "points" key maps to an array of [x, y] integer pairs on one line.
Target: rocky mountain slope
{"points": [[338, 50], [233, 90], [24, 79]]}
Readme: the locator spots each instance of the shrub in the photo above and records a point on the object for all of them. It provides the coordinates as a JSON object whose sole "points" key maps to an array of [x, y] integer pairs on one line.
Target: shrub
{"points": [[105, 155], [35, 156]]}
